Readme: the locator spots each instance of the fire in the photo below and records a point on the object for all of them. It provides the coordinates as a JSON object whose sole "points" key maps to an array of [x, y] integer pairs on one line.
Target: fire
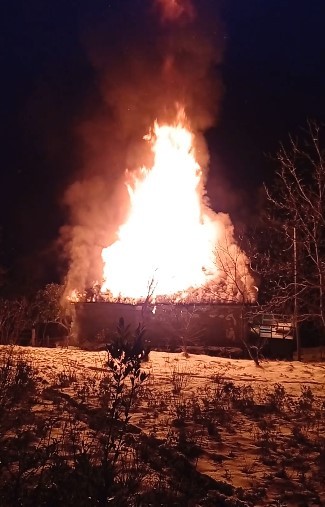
{"points": [[172, 246], [167, 244], [74, 296]]}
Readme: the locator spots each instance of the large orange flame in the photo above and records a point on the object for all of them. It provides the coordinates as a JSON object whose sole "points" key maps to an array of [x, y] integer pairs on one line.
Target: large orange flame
{"points": [[167, 244]]}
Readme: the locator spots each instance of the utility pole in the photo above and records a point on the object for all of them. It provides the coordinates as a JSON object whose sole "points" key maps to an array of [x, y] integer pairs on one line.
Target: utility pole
{"points": [[295, 295]]}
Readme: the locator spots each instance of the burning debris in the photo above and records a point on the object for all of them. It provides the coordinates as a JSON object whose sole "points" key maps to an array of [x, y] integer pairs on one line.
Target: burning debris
{"points": [[164, 243]]}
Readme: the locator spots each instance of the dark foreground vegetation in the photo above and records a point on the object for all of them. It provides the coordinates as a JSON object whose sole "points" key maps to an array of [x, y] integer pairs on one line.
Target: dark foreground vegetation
{"points": [[118, 436]]}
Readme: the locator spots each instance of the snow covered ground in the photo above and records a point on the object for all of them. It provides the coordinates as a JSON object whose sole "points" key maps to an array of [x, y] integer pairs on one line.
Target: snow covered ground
{"points": [[260, 430], [199, 368]]}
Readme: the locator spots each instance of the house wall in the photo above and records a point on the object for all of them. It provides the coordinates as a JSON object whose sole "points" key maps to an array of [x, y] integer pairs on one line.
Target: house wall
{"points": [[165, 324]]}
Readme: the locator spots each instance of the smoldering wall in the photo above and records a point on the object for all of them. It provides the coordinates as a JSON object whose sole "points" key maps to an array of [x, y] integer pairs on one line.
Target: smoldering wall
{"points": [[149, 57]]}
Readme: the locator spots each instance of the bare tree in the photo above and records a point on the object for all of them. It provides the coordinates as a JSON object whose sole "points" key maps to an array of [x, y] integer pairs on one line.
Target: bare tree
{"points": [[15, 317], [236, 284], [48, 308], [294, 260]]}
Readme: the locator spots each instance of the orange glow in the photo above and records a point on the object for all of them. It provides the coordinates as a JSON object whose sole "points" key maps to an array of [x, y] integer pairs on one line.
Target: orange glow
{"points": [[73, 297], [174, 9], [169, 238]]}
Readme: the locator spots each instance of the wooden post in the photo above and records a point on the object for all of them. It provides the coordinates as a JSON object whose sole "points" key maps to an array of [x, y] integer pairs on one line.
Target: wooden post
{"points": [[33, 337]]}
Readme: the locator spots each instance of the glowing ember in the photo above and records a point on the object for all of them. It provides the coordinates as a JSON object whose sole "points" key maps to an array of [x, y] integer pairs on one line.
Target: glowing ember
{"points": [[74, 296], [169, 239]]}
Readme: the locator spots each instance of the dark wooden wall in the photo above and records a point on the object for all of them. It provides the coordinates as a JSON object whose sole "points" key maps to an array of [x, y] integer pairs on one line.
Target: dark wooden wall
{"points": [[166, 324]]}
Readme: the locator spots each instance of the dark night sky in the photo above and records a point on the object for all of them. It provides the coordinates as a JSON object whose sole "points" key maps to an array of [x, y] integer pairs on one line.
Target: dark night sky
{"points": [[273, 81]]}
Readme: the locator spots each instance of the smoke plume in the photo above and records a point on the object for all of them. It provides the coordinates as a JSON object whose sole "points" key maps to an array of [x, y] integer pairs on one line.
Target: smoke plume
{"points": [[155, 56], [175, 9]]}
